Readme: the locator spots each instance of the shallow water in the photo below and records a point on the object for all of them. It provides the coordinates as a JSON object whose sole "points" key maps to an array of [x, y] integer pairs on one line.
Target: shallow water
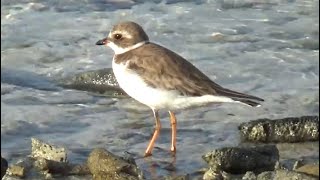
{"points": [[267, 49]]}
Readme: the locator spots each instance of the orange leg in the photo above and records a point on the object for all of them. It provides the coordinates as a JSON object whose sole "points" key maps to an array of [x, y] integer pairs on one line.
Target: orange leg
{"points": [[173, 121], [155, 134]]}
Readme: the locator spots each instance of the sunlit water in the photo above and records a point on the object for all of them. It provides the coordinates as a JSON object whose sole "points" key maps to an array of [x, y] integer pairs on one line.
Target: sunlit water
{"points": [[269, 50]]}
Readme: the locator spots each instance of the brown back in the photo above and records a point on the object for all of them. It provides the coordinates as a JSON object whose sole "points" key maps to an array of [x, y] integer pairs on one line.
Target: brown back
{"points": [[165, 69]]}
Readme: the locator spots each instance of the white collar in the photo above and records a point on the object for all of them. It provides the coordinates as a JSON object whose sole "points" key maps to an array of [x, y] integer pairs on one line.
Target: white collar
{"points": [[118, 50]]}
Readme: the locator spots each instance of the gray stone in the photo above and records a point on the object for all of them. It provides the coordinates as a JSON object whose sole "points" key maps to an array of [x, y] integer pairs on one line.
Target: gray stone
{"points": [[21, 168], [17, 170], [52, 159], [105, 165], [239, 160], [47, 151], [249, 176], [267, 175], [301, 129], [213, 174]]}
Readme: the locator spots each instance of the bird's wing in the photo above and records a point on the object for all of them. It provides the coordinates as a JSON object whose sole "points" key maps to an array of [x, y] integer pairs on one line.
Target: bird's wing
{"points": [[165, 69]]}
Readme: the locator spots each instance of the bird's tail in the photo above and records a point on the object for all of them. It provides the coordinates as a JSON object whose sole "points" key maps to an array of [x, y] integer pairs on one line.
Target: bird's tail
{"points": [[247, 102], [240, 97]]}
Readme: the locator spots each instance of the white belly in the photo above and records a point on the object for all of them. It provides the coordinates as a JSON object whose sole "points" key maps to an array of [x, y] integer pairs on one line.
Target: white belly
{"points": [[135, 87]]}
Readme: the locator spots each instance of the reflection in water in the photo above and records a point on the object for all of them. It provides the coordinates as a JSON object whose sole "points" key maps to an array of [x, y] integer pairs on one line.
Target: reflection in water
{"points": [[157, 167]]}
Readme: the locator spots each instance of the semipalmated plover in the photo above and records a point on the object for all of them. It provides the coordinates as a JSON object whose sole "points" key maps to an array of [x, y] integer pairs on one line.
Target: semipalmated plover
{"points": [[161, 79]]}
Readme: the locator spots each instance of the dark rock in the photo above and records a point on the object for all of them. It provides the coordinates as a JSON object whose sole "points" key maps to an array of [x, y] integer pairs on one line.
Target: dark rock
{"points": [[239, 160], [49, 168], [305, 128], [54, 167], [105, 165], [100, 81], [4, 166]]}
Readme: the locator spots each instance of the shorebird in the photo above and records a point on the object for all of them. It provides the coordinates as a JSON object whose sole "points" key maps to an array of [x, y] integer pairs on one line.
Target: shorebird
{"points": [[161, 79]]}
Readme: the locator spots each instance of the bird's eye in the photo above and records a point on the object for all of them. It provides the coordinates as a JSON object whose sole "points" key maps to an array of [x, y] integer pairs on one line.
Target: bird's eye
{"points": [[117, 36]]}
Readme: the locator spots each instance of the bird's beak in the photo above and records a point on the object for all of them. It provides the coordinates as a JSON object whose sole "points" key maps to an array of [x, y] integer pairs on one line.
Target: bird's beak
{"points": [[102, 42]]}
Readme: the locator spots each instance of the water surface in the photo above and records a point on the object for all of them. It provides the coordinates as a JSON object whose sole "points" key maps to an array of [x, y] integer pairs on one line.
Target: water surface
{"points": [[267, 49]]}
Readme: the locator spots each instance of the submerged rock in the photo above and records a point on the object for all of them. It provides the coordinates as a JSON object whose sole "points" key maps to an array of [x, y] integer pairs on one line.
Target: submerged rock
{"points": [[284, 175], [310, 169], [234, 4], [105, 165], [80, 169], [308, 43], [54, 167], [293, 163], [239, 160], [100, 81], [219, 37], [305, 168], [305, 128], [177, 177]]}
